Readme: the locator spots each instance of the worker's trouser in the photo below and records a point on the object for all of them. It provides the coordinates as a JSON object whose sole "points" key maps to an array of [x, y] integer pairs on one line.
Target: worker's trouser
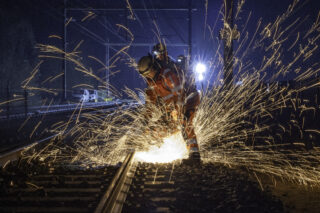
{"points": [[188, 131]]}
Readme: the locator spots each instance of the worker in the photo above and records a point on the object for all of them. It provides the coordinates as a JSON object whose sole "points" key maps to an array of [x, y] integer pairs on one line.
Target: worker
{"points": [[166, 86]]}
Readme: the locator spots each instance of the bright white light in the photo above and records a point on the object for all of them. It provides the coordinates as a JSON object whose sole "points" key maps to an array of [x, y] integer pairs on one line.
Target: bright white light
{"points": [[155, 52], [173, 148], [200, 77], [200, 68]]}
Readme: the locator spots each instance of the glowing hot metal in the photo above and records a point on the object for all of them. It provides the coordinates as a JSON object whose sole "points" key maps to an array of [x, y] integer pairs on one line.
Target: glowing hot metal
{"points": [[173, 148]]}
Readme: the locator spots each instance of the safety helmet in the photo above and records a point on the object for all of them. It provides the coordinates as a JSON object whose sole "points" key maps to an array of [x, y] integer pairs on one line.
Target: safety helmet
{"points": [[145, 64], [159, 49]]}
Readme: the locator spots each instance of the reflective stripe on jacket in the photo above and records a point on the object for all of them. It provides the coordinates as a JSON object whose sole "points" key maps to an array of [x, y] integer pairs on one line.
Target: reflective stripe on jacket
{"points": [[168, 86]]}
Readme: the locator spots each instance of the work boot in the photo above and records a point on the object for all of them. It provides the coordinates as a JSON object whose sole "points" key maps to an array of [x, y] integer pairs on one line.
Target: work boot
{"points": [[195, 157], [192, 146]]}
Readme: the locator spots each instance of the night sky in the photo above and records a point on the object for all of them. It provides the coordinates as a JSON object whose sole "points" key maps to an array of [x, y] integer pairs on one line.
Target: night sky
{"points": [[27, 23]]}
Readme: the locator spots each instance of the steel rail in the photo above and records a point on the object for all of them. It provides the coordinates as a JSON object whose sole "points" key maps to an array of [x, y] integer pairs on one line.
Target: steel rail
{"points": [[42, 110], [114, 197], [15, 154]]}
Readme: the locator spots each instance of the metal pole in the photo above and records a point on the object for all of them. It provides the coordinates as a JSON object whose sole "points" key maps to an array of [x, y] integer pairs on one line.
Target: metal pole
{"points": [[318, 91], [25, 102], [317, 101], [107, 70], [190, 30], [64, 79], [228, 43], [8, 102]]}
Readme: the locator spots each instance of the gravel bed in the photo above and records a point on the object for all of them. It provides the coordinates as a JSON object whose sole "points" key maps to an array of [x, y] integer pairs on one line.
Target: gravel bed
{"points": [[202, 188]]}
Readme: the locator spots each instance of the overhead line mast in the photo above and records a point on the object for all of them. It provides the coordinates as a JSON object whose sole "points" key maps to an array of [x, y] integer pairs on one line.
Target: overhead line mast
{"points": [[228, 34]]}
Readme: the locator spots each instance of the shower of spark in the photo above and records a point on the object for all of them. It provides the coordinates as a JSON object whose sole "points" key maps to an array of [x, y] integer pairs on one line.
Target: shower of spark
{"points": [[238, 126]]}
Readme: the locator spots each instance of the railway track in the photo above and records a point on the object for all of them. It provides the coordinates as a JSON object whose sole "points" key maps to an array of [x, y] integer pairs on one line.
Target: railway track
{"points": [[53, 189], [185, 187], [133, 187], [153, 188], [41, 187]]}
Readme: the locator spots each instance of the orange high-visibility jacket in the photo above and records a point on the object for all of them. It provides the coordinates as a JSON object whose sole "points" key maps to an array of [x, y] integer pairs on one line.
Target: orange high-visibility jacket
{"points": [[171, 88]]}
